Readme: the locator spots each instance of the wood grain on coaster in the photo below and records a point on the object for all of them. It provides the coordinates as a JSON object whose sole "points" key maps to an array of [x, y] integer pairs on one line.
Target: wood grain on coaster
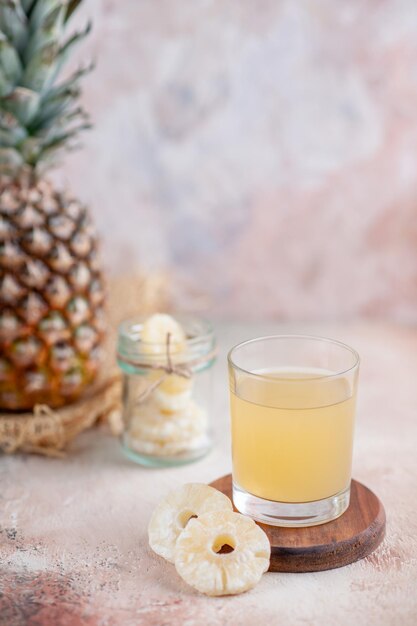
{"points": [[350, 537]]}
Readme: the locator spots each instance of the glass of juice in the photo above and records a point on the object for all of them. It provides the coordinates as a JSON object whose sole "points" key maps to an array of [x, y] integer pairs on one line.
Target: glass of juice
{"points": [[293, 410]]}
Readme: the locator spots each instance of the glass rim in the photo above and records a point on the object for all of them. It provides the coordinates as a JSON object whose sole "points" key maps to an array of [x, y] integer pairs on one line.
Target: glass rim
{"points": [[336, 342], [129, 325], [131, 350]]}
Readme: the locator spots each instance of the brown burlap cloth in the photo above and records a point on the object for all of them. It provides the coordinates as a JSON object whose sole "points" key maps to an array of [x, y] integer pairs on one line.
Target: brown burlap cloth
{"points": [[48, 432]]}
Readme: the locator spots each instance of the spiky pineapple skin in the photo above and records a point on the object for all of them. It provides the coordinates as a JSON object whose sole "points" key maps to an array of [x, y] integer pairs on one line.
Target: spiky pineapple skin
{"points": [[51, 296]]}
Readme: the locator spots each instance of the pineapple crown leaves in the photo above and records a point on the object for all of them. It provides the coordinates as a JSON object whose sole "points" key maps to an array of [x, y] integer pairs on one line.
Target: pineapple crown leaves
{"points": [[39, 116]]}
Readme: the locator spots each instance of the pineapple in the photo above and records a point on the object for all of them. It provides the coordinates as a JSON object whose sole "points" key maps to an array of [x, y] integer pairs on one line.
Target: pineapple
{"points": [[174, 513], [222, 553], [51, 291]]}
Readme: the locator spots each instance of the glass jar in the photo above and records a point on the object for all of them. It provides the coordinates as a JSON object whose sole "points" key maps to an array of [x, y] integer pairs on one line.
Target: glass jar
{"points": [[166, 395]]}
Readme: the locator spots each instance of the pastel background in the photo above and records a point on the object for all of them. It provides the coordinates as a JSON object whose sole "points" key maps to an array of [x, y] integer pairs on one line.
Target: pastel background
{"points": [[263, 152]]}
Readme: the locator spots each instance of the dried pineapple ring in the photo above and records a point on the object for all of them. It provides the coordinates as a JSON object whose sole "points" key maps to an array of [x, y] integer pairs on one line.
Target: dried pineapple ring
{"points": [[174, 512], [154, 335], [169, 448], [199, 563], [171, 402], [173, 393], [174, 384], [150, 424]]}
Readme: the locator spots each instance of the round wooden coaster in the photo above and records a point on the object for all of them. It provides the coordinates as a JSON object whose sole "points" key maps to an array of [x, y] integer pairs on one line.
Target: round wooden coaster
{"points": [[350, 537]]}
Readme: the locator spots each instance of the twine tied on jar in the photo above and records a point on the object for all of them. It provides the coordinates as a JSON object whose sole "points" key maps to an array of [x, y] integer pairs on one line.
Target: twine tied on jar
{"points": [[185, 370]]}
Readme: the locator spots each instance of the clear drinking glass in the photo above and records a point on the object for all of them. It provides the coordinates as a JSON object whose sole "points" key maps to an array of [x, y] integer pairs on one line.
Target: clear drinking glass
{"points": [[292, 409]]}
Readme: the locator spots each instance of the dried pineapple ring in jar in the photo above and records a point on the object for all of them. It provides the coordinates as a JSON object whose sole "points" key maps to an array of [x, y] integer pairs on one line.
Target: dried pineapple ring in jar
{"points": [[151, 424], [154, 335], [170, 448]]}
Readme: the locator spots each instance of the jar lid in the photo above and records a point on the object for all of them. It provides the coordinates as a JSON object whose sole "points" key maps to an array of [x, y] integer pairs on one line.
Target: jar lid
{"points": [[199, 354]]}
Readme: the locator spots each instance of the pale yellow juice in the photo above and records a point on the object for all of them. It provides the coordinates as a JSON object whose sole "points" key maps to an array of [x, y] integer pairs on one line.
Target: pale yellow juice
{"points": [[301, 451]]}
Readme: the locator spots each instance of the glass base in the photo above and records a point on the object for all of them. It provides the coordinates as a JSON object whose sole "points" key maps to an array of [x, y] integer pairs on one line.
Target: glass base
{"points": [[291, 514], [148, 460]]}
